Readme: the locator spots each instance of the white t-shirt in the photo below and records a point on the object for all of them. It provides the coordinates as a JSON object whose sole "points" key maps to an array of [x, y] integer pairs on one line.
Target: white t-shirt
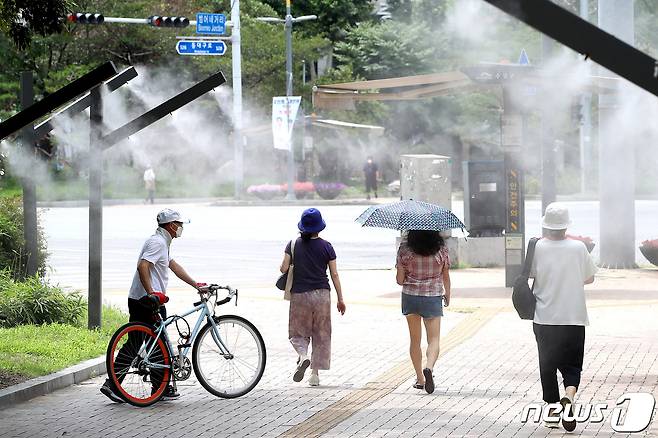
{"points": [[560, 268], [156, 251]]}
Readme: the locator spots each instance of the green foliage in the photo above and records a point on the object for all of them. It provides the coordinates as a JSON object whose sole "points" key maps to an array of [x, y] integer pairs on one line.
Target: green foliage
{"points": [[21, 19], [376, 51], [335, 17], [33, 350], [12, 241], [35, 302]]}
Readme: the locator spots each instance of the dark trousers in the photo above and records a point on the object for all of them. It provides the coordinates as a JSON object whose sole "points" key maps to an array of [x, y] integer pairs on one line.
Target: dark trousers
{"points": [[561, 347], [139, 311], [371, 184]]}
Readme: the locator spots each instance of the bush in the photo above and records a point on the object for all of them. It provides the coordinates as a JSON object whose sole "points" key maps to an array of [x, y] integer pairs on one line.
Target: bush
{"points": [[32, 302], [12, 241], [30, 350]]}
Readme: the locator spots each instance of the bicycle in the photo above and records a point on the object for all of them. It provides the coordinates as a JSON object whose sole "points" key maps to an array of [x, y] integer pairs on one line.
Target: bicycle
{"points": [[228, 353]]}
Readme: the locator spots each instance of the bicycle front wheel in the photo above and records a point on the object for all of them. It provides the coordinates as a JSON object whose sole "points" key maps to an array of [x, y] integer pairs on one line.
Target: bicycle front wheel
{"points": [[140, 378], [235, 372]]}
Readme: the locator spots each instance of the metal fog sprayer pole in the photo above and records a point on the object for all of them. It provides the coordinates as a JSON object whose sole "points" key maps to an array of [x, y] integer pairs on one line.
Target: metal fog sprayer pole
{"points": [[29, 186], [95, 157]]}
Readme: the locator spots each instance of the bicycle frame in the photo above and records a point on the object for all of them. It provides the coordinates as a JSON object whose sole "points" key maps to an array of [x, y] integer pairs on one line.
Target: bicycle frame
{"points": [[162, 330]]}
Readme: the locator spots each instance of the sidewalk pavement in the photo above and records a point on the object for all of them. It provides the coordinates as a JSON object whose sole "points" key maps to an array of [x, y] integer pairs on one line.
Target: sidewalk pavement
{"points": [[486, 374]]}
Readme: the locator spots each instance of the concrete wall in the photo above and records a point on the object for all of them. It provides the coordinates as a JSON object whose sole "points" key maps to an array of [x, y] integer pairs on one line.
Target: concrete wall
{"points": [[477, 252]]}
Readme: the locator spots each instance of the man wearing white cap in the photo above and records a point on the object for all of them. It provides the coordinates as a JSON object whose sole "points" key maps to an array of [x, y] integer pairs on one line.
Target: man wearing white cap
{"points": [[561, 267], [151, 279]]}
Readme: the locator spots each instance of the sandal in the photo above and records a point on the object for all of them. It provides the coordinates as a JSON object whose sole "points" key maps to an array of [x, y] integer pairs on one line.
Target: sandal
{"points": [[429, 380], [418, 385]]}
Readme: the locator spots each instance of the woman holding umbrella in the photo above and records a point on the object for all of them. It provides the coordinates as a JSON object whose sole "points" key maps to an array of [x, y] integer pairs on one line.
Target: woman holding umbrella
{"points": [[423, 272]]}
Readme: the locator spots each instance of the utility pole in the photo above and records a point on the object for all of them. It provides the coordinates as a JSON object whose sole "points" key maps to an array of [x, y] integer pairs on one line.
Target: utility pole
{"points": [[291, 152], [236, 57], [586, 122], [288, 22]]}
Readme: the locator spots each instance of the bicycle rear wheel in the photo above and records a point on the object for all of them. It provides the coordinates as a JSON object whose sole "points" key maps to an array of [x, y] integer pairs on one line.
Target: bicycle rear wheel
{"points": [[236, 373], [138, 381]]}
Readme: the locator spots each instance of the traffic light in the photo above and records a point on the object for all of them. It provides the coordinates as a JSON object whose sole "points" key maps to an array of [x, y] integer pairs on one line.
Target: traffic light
{"points": [[159, 21], [84, 18]]}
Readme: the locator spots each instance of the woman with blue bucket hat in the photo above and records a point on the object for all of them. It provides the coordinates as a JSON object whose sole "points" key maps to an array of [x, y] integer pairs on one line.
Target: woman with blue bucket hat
{"points": [[309, 320]]}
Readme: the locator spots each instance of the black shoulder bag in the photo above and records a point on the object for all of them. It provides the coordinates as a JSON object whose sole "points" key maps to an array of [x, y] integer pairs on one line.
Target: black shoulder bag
{"points": [[284, 282], [522, 297]]}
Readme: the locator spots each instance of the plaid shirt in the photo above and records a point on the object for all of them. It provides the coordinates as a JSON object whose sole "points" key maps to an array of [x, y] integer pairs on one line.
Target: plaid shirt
{"points": [[423, 274]]}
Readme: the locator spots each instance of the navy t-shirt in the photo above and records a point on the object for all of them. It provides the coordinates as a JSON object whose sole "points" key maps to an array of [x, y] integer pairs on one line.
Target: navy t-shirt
{"points": [[311, 260]]}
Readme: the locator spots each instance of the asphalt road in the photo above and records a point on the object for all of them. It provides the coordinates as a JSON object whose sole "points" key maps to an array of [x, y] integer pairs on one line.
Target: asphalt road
{"points": [[244, 245]]}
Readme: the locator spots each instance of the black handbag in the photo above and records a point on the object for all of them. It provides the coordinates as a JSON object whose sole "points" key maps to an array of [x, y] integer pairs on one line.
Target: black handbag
{"points": [[281, 281], [522, 297]]}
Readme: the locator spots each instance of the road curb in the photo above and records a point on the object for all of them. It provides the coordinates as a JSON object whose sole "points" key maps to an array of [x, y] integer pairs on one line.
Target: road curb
{"points": [[52, 382]]}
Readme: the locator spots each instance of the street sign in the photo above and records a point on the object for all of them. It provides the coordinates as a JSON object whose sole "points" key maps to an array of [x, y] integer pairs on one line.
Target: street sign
{"points": [[512, 132], [514, 200], [200, 47], [499, 74], [210, 24]]}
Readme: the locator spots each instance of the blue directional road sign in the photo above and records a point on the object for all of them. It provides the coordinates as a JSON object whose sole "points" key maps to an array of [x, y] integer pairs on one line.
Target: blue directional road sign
{"points": [[199, 47], [210, 24]]}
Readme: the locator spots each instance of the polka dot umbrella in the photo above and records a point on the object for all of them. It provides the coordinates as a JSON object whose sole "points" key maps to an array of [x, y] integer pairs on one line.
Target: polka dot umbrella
{"points": [[410, 215]]}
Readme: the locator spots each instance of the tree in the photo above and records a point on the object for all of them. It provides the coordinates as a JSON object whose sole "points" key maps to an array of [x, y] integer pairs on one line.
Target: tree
{"points": [[335, 17], [21, 19], [380, 50]]}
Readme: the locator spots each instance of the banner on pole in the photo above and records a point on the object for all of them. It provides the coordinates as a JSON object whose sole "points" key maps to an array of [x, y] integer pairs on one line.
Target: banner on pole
{"points": [[284, 113]]}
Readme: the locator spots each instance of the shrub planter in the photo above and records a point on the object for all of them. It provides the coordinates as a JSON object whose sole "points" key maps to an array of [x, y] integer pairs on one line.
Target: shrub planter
{"points": [[265, 191], [649, 250], [302, 190], [329, 190]]}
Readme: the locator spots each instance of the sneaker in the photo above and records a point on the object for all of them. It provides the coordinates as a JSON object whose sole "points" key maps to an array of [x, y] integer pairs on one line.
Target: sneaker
{"points": [[314, 380], [429, 380], [170, 393], [107, 391], [553, 418], [569, 425], [302, 364]]}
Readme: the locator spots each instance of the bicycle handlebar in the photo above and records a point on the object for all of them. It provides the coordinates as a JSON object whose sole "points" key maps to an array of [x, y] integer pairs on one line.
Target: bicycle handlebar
{"points": [[215, 287]]}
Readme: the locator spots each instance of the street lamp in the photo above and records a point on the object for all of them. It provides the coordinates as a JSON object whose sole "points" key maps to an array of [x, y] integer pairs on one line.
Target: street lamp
{"points": [[288, 22]]}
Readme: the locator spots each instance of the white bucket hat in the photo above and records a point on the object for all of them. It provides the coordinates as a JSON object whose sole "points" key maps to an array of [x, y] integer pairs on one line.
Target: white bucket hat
{"points": [[168, 215], [556, 217]]}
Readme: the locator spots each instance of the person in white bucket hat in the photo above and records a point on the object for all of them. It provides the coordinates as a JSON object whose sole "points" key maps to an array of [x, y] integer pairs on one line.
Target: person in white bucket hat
{"points": [[561, 267], [149, 286]]}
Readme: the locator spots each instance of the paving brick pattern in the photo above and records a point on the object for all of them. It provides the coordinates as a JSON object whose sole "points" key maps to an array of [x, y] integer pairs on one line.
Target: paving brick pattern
{"points": [[483, 383], [366, 341]]}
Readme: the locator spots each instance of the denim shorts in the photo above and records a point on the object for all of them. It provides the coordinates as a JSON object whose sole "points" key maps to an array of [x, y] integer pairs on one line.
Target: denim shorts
{"points": [[427, 307]]}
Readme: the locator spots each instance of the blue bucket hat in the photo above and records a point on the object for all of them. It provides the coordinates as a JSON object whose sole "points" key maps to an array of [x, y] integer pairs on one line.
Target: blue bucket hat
{"points": [[311, 221]]}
